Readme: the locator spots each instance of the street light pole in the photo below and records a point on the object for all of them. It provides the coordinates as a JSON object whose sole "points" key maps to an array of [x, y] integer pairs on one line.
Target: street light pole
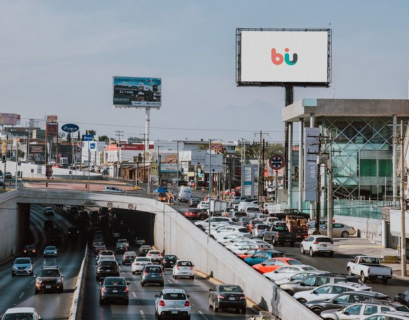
{"points": [[402, 203]]}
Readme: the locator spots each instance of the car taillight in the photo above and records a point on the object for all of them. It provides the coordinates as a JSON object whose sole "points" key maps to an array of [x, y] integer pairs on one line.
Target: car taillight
{"points": [[331, 242], [127, 289], [278, 235], [164, 261], [220, 296], [148, 254], [136, 264], [25, 250], [145, 273], [316, 242], [191, 268], [242, 298], [103, 289], [187, 303], [305, 237], [162, 303], [177, 267], [34, 250]]}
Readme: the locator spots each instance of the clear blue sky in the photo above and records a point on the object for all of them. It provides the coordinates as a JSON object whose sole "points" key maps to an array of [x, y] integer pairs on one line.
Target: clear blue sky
{"points": [[58, 57]]}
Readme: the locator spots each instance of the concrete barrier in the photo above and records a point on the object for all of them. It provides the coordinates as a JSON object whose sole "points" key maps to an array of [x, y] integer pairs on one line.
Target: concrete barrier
{"points": [[79, 293], [368, 228]]}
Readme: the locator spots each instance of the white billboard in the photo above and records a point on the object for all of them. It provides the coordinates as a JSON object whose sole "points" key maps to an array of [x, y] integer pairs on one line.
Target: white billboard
{"points": [[216, 164], [279, 57]]}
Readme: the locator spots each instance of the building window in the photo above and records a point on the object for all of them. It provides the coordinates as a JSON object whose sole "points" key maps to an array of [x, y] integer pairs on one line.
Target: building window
{"points": [[368, 168]]}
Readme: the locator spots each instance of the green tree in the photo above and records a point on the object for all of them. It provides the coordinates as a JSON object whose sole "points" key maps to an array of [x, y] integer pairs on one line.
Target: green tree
{"points": [[90, 132], [103, 138], [135, 140]]}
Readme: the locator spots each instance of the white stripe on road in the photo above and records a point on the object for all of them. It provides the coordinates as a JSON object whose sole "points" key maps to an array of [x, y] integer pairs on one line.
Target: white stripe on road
{"points": [[201, 313], [21, 295], [142, 314], [32, 282], [170, 281], [134, 294]]}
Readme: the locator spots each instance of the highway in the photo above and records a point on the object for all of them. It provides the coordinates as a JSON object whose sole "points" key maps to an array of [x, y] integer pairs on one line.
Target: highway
{"points": [[141, 303], [19, 291]]}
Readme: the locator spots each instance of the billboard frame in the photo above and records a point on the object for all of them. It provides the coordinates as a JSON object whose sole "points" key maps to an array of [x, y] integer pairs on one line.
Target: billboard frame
{"points": [[240, 83]]}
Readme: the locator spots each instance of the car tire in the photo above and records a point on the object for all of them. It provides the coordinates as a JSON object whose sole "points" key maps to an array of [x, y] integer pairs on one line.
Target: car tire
{"points": [[210, 303], [345, 234], [292, 244], [101, 301], [216, 309], [317, 310], [126, 301], [142, 284], [301, 300], [36, 291], [274, 242], [13, 275], [311, 252], [302, 249], [162, 284], [289, 292], [61, 289], [385, 281], [363, 278], [331, 254], [349, 272], [192, 277], [97, 278]]}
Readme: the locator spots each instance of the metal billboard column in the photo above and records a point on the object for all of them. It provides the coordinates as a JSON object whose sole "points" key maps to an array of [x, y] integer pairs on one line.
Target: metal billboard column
{"points": [[289, 163], [312, 125], [402, 203], [394, 156], [147, 127], [301, 165]]}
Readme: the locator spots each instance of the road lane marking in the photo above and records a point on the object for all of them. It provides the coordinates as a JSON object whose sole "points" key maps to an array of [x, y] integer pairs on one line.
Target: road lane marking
{"points": [[201, 313], [142, 314], [21, 295], [170, 281], [32, 282], [134, 294]]}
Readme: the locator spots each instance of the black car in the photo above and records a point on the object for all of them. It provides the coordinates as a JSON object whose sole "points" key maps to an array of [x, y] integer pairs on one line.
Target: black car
{"points": [[30, 250], [121, 247], [48, 211], [143, 250], [227, 296], [343, 300], [169, 261], [152, 274], [107, 268], [193, 202], [8, 175], [114, 289], [49, 279], [402, 298], [128, 257], [73, 232]]}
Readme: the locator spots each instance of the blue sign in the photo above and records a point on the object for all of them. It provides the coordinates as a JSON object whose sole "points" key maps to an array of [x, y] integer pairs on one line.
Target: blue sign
{"points": [[87, 137], [70, 127], [92, 145]]}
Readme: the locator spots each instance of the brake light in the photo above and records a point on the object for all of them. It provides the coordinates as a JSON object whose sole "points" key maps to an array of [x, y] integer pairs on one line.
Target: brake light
{"points": [[145, 273], [162, 303], [278, 235], [127, 289], [220, 296], [177, 267], [305, 237], [187, 303], [148, 254], [315, 242], [191, 268], [103, 289], [242, 298], [34, 250]]}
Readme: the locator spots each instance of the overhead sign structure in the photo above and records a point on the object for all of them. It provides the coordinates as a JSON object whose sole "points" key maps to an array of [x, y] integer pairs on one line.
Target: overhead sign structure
{"points": [[131, 92], [87, 137], [70, 127], [216, 165], [198, 157], [310, 163], [276, 162], [283, 57]]}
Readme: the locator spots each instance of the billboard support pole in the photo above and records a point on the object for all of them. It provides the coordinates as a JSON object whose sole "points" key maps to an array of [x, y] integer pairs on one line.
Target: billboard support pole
{"points": [[147, 127], [289, 99]]}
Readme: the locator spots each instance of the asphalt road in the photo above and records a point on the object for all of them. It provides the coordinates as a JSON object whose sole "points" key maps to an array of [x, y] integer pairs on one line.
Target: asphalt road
{"points": [[141, 303], [338, 264], [19, 291]]}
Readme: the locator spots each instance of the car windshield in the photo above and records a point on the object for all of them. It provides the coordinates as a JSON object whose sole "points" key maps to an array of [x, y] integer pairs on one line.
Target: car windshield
{"points": [[18, 316], [115, 282], [106, 253], [262, 227], [50, 248], [154, 252], [154, 269], [174, 296], [30, 246], [294, 262], [230, 289], [49, 273], [22, 261]]}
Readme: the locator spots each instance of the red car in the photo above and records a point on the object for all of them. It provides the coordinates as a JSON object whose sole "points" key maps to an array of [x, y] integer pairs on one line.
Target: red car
{"points": [[195, 214], [249, 253], [275, 263]]}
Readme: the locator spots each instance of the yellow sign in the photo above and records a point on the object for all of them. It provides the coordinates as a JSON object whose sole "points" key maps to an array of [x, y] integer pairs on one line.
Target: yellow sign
{"points": [[268, 178], [154, 169], [3, 147]]}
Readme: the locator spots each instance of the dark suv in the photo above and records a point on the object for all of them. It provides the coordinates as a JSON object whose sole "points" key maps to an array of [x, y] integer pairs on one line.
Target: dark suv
{"points": [[30, 250], [143, 250], [315, 281], [107, 268], [152, 274], [344, 300], [49, 279]]}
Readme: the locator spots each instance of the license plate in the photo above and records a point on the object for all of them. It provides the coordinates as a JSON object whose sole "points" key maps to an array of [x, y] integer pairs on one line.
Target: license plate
{"points": [[115, 291], [324, 245], [232, 298], [48, 287], [380, 277], [174, 312]]}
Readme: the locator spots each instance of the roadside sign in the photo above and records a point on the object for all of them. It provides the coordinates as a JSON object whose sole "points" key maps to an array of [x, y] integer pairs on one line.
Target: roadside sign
{"points": [[109, 205], [198, 157], [217, 163], [92, 145], [70, 127], [87, 137], [216, 146], [276, 162], [80, 144]]}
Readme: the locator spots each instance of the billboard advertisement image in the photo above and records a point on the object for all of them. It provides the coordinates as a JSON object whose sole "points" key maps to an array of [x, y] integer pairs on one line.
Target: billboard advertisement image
{"points": [[132, 92], [52, 128], [280, 57], [10, 119]]}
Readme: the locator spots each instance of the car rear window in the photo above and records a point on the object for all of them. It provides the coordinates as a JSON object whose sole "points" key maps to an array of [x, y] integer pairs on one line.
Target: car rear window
{"points": [[184, 263], [280, 228], [153, 269], [108, 263], [174, 296], [323, 240], [263, 227], [171, 257], [115, 282], [230, 289], [143, 259], [49, 273], [155, 252]]}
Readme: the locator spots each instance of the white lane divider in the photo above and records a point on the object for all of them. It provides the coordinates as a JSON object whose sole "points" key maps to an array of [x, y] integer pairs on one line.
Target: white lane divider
{"points": [[170, 281], [21, 295], [201, 313], [134, 294], [142, 314]]}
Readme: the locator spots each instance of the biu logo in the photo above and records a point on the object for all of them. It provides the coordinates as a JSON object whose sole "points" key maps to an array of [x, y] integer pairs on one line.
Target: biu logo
{"points": [[277, 58]]}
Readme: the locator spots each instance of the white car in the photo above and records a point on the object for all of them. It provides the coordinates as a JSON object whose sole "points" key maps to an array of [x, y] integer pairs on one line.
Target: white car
{"points": [[258, 230], [22, 266], [203, 205], [50, 251], [244, 205], [106, 254], [229, 237], [21, 313], [298, 277], [228, 229], [388, 316], [328, 291], [239, 244], [248, 247], [155, 256], [139, 263], [317, 245], [183, 268], [286, 271], [205, 223], [172, 302], [113, 189]]}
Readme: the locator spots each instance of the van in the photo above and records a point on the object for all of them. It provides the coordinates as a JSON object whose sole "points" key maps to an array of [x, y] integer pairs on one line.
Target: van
{"points": [[185, 194]]}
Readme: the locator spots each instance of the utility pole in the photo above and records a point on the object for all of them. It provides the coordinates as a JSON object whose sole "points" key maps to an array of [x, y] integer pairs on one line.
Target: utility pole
{"points": [[5, 162], [402, 203], [259, 168], [329, 193], [118, 133]]}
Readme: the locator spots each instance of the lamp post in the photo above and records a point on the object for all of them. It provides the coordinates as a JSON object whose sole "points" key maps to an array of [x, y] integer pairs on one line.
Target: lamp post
{"points": [[210, 178]]}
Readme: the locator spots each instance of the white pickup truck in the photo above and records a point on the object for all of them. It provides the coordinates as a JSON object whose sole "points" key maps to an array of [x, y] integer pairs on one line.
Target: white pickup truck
{"points": [[369, 268]]}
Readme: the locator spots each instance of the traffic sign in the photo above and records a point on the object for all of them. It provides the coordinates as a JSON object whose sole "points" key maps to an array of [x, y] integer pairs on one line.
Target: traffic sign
{"points": [[80, 144], [276, 162], [70, 127], [87, 137], [92, 145]]}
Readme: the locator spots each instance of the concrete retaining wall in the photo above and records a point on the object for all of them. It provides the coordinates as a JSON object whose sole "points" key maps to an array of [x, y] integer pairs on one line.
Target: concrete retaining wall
{"points": [[370, 229]]}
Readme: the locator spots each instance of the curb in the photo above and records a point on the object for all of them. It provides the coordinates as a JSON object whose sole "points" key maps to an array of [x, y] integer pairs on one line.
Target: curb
{"points": [[77, 299]]}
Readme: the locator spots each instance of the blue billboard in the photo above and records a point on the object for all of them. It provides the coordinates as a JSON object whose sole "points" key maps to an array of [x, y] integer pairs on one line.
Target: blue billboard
{"points": [[130, 92]]}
